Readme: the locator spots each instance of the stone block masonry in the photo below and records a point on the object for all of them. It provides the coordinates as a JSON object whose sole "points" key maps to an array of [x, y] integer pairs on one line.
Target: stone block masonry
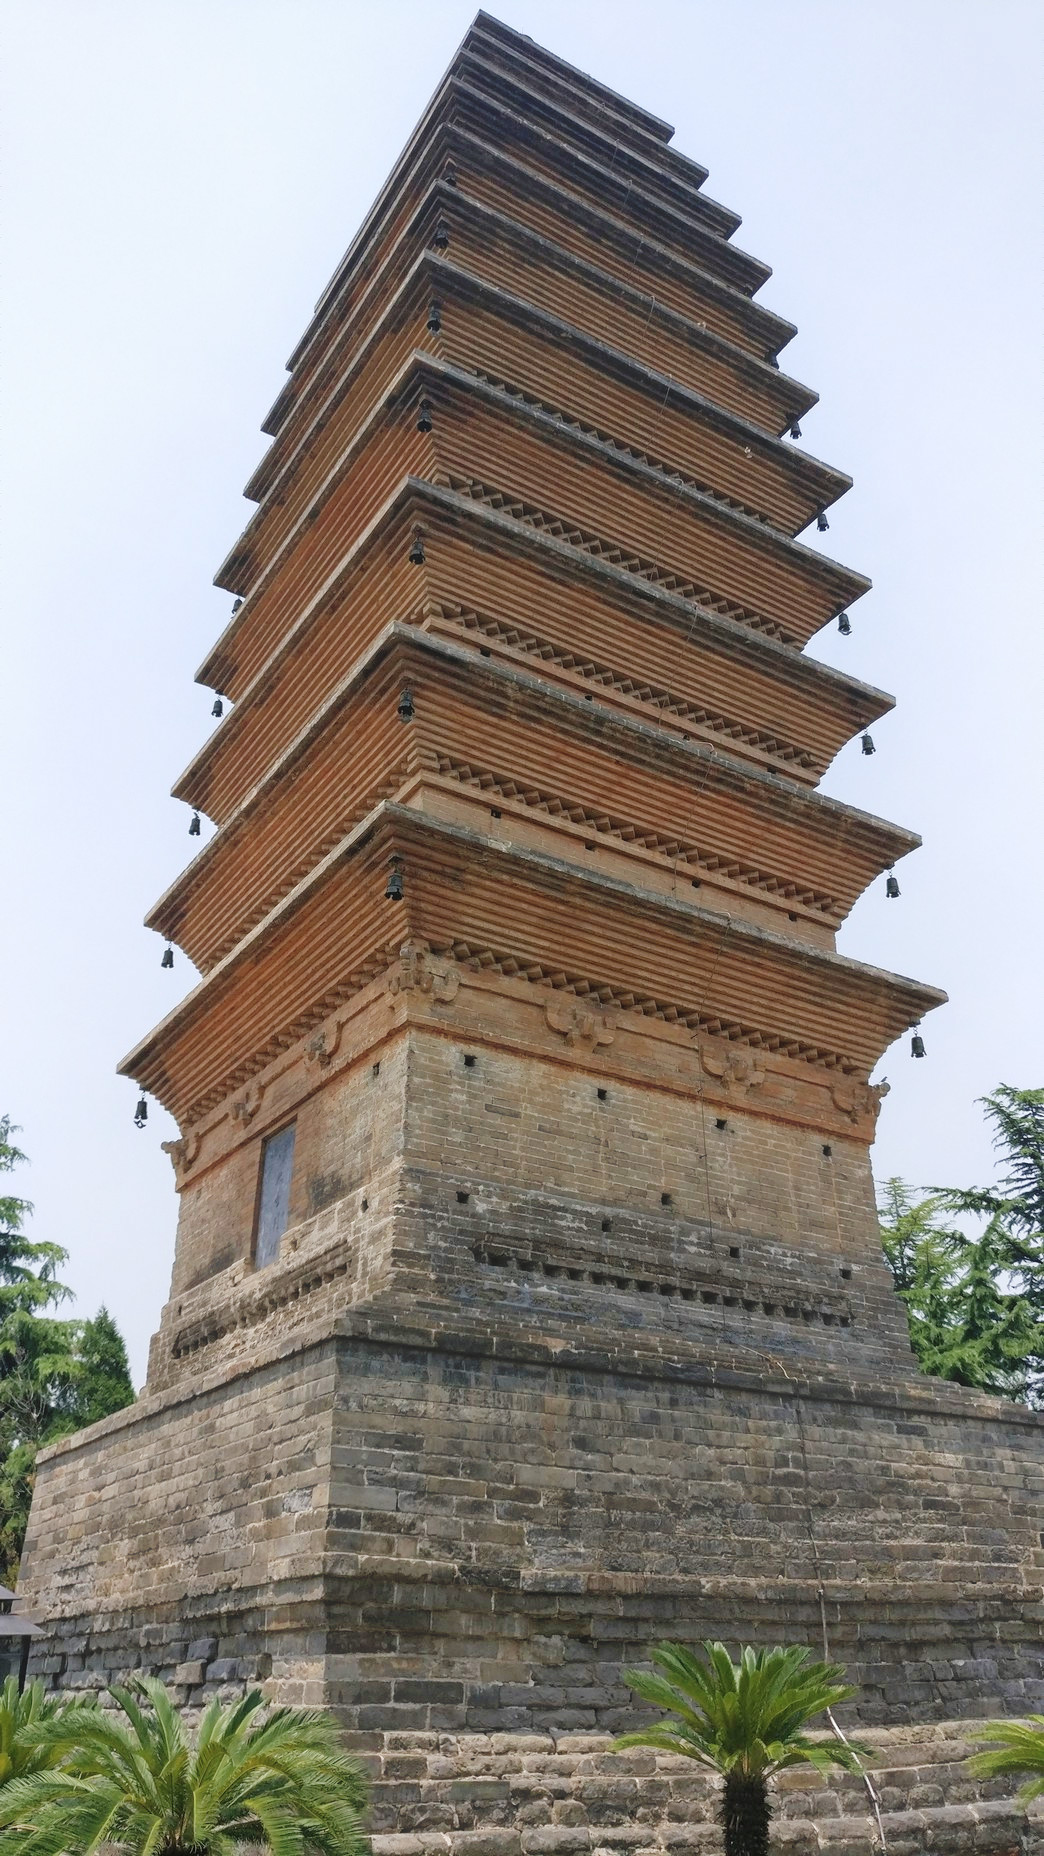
{"points": [[481, 1531]]}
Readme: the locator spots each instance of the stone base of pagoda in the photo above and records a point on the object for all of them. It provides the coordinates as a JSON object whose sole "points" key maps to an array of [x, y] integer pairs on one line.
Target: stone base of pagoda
{"points": [[467, 1525]]}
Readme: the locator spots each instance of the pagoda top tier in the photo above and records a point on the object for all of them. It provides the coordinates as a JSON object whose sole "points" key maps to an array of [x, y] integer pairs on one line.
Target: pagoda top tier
{"points": [[547, 133]]}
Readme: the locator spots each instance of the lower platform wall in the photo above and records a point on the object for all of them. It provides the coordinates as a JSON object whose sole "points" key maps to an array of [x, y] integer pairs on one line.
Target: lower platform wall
{"points": [[568, 1794], [430, 1537]]}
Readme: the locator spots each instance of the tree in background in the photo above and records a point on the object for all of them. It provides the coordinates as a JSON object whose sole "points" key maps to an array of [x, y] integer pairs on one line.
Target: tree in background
{"points": [[55, 1375], [976, 1303]]}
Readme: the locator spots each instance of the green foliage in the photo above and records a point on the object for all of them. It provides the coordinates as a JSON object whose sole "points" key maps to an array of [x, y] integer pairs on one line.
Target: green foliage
{"points": [[22, 1752], [744, 1720], [976, 1303], [1018, 1747], [55, 1375], [27, 1270], [102, 1381], [965, 1325], [137, 1782]]}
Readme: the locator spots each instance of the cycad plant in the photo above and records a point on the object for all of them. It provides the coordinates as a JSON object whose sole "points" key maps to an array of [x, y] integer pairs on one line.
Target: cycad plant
{"points": [[744, 1720], [136, 1782], [1018, 1747], [21, 1718]]}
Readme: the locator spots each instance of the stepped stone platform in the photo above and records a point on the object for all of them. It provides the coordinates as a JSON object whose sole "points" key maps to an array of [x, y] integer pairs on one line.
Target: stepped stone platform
{"points": [[569, 1795]]}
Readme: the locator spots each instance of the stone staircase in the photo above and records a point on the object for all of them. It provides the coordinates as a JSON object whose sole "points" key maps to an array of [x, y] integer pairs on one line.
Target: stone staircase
{"points": [[568, 1795]]}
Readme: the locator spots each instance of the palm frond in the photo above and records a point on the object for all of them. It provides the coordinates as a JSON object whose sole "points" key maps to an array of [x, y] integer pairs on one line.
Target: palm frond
{"points": [[1019, 1747], [134, 1778], [746, 1717]]}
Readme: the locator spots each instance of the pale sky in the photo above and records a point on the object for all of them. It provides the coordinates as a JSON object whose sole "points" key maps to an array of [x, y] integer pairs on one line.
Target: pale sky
{"points": [[180, 178]]}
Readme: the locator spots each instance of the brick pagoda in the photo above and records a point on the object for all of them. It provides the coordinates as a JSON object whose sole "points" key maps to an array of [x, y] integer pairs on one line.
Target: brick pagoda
{"points": [[528, 1301]]}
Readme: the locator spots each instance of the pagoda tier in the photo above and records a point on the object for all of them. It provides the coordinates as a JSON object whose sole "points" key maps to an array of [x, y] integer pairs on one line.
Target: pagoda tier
{"points": [[510, 589], [499, 446], [617, 313], [467, 887], [670, 426], [551, 763], [705, 331]]}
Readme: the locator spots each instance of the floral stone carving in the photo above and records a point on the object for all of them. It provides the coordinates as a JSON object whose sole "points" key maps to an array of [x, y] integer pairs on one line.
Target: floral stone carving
{"points": [[734, 1067], [577, 1024], [419, 971]]}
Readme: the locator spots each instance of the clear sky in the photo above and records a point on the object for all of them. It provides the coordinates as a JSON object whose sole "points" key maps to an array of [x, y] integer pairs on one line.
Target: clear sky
{"points": [[181, 178]]}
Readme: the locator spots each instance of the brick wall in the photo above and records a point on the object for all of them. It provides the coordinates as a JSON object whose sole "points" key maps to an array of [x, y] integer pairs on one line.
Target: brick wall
{"points": [[479, 1527]]}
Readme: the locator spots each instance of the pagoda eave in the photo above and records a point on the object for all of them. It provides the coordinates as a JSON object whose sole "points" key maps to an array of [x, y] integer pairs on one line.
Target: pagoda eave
{"points": [[679, 221], [816, 854], [553, 346], [500, 447], [844, 582], [842, 704], [539, 132], [702, 301], [493, 243], [603, 98], [534, 912]]}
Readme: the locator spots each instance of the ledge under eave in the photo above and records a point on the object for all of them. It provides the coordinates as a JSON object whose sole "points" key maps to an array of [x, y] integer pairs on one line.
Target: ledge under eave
{"points": [[867, 1004]]}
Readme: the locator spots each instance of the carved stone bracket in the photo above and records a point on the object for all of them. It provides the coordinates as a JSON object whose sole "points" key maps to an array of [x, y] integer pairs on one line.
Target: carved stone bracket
{"points": [[245, 1107], [574, 1022], [183, 1153], [419, 971], [857, 1100], [735, 1068], [321, 1050]]}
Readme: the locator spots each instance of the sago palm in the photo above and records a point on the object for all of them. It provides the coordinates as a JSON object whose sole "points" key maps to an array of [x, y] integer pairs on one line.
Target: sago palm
{"points": [[21, 1718], [744, 1720], [136, 1782], [1018, 1747]]}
